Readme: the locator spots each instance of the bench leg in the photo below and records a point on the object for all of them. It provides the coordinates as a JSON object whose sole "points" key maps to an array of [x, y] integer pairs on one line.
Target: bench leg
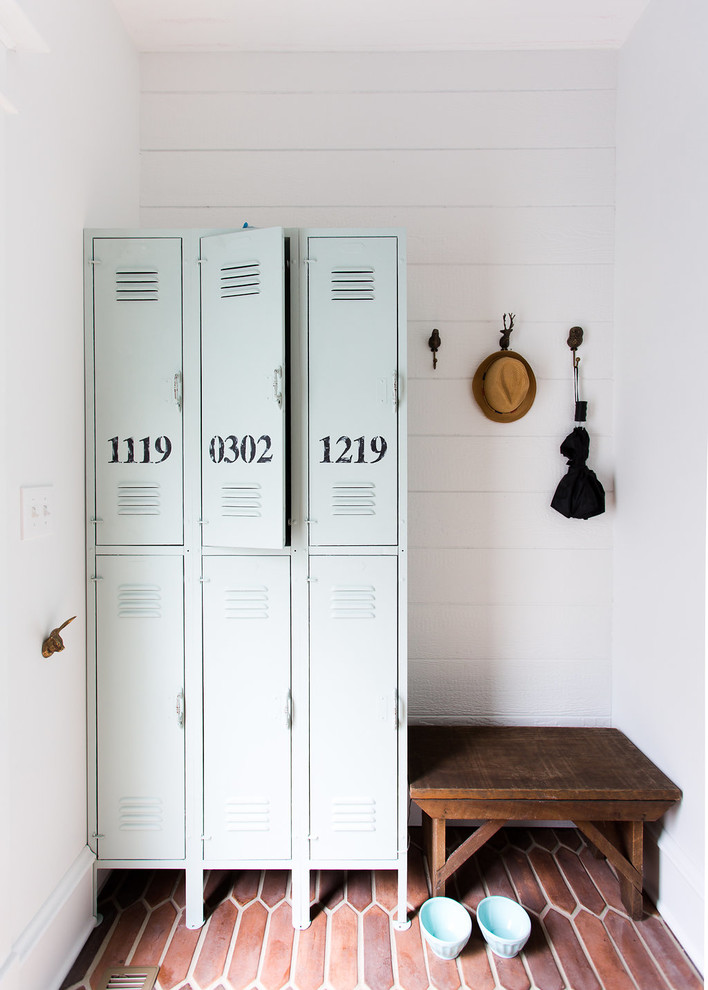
{"points": [[623, 845], [434, 838], [633, 836]]}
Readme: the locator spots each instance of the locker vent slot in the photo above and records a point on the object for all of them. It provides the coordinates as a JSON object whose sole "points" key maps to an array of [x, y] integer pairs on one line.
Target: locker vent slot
{"points": [[353, 602], [140, 815], [129, 978], [354, 815], [132, 286], [241, 501], [139, 601], [247, 815], [354, 500], [138, 499], [241, 280], [353, 283], [246, 603]]}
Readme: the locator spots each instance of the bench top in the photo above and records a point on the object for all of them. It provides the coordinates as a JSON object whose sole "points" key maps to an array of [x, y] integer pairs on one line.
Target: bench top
{"points": [[532, 763]]}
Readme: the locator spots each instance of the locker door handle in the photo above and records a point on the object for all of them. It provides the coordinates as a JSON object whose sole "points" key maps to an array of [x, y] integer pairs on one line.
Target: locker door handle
{"points": [[178, 390], [396, 713], [278, 386], [289, 710], [179, 709], [395, 391]]}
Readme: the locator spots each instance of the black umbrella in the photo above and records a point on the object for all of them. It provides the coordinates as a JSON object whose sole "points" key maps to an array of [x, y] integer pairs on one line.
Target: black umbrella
{"points": [[579, 494]]}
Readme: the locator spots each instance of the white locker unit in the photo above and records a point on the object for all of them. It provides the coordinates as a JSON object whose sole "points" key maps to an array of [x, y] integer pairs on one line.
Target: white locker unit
{"points": [[140, 682], [246, 453], [137, 302], [353, 396], [353, 670], [243, 389], [247, 708]]}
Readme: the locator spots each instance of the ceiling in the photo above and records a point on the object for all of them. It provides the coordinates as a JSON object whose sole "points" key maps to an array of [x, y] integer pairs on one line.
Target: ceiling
{"points": [[377, 25]]}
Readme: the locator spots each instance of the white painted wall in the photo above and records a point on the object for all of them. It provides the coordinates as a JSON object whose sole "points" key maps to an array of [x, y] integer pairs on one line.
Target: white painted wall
{"points": [[69, 158], [660, 567], [501, 168]]}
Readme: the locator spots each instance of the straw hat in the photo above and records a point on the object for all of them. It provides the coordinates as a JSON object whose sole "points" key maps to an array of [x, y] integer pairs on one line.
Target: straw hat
{"points": [[504, 386]]}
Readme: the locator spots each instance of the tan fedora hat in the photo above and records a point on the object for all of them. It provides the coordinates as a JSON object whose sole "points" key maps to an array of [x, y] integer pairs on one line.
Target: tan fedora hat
{"points": [[504, 386]]}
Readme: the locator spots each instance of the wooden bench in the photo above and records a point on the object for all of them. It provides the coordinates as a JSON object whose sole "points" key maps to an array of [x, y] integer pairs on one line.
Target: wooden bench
{"points": [[595, 778]]}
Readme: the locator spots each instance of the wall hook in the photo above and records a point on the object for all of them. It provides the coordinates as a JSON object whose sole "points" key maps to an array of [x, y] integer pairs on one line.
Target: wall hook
{"points": [[54, 643], [434, 343]]}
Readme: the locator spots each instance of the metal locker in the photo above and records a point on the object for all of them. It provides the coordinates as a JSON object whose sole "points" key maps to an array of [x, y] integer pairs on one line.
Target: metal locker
{"points": [[353, 379], [354, 707], [137, 349], [247, 707], [243, 389], [140, 707]]}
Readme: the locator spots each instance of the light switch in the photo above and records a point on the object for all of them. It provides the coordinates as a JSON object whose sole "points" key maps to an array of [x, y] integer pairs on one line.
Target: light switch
{"points": [[37, 511]]}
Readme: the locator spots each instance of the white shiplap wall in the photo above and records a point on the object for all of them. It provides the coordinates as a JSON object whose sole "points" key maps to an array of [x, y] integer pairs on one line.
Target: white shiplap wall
{"points": [[501, 168]]}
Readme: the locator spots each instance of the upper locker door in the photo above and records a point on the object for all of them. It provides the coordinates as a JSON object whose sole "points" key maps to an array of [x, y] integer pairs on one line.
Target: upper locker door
{"points": [[243, 389], [353, 383], [137, 298]]}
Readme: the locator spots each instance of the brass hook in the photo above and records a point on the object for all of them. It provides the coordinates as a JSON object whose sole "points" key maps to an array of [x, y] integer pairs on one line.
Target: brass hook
{"points": [[54, 643]]}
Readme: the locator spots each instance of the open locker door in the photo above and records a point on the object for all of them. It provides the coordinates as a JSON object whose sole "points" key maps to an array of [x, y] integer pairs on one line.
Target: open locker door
{"points": [[243, 389]]}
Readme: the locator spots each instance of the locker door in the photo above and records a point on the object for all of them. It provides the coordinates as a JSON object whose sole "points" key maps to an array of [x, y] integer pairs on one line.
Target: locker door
{"points": [[354, 707], [137, 285], [247, 711], [140, 707], [352, 315], [243, 389]]}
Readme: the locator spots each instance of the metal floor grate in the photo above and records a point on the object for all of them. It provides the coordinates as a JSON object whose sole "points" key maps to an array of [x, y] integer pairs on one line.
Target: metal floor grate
{"points": [[129, 978]]}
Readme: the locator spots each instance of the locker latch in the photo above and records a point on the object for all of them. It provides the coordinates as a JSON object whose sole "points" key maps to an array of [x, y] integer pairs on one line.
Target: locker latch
{"points": [[179, 709], [278, 386]]}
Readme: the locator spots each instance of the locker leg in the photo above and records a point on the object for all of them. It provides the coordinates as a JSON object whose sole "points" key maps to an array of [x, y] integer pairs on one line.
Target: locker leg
{"points": [[194, 894], [300, 897], [402, 922]]}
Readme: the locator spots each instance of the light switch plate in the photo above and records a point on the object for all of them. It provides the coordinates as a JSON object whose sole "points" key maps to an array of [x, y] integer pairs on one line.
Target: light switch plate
{"points": [[37, 511]]}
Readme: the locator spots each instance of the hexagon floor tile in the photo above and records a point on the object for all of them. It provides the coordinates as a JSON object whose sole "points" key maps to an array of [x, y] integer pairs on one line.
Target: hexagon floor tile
{"points": [[581, 937]]}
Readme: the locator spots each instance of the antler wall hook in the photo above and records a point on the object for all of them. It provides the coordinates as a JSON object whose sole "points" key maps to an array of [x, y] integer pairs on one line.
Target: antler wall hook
{"points": [[54, 643], [434, 343], [506, 333]]}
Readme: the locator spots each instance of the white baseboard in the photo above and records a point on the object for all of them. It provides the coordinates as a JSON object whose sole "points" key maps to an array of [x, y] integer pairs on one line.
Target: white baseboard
{"points": [[583, 721], [44, 952], [676, 887]]}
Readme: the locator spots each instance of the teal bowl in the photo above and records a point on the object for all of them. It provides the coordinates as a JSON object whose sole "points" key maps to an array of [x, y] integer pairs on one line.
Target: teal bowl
{"points": [[504, 924]]}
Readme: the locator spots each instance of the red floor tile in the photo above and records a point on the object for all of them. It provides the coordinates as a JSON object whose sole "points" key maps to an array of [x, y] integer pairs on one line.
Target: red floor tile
{"points": [[575, 963], [359, 892], [633, 951], [378, 965], [551, 879], [475, 965], [178, 958], [343, 963], [122, 940], [599, 947], [214, 949], [671, 960], [581, 937], [444, 974], [155, 937], [249, 943], [312, 944], [412, 974], [278, 949]]}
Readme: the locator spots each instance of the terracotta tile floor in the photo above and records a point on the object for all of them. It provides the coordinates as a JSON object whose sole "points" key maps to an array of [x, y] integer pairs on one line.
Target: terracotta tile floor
{"points": [[581, 937]]}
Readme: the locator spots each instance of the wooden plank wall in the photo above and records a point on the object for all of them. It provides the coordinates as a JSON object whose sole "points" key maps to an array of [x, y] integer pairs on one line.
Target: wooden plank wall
{"points": [[501, 168]]}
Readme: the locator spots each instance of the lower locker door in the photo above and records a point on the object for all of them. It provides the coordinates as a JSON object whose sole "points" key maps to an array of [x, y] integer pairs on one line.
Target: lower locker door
{"points": [[247, 708], [353, 707], [140, 704]]}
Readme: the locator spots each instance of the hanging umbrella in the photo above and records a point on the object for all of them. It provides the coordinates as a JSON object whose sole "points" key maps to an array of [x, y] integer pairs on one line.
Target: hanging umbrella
{"points": [[579, 494]]}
